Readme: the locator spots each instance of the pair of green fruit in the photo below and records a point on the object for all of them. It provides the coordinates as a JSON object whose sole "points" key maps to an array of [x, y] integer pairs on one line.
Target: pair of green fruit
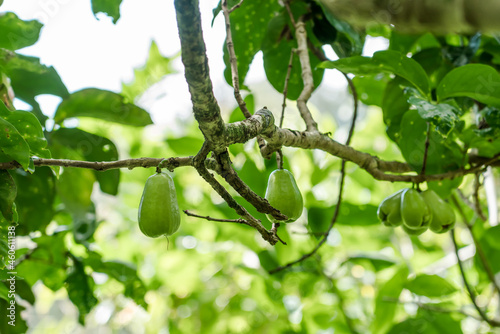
{"points": [[159, 210], [416, 212]]}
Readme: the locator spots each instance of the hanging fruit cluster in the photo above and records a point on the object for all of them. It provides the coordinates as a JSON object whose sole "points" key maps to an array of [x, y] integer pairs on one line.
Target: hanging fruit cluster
{"points": [[416, 212]]}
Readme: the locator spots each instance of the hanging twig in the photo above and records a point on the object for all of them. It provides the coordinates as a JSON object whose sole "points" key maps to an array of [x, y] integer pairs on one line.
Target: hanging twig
{"points": [[472, 295], [475, 198], [239, 221], [285, 89]]}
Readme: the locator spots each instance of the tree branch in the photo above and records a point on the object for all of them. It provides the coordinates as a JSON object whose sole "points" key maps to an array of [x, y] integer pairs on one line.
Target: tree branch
{"points": [[193, 54]]}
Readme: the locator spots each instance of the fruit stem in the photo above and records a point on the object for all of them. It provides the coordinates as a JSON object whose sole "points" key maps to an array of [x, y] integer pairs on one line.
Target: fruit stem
{"points": [[279, 159]]}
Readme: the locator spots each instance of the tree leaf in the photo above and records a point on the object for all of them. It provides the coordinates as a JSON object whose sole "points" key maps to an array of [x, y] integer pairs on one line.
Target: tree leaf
{"points": [[385, 309], [12, 144], [31, 130], [109, 7], [29, 78], [443, 154], [384, 61], [92, 148], [430, 286], [429, 323], [101, 104], [16, 33], [8, 192], [443, 116], [81, 290], [156, 67], [477, 81], [36, 194], [378, 261], [248, 31]]}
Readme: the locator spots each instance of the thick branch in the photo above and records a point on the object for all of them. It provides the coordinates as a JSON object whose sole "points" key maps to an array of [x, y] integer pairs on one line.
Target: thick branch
{"points": [[205, 107]]}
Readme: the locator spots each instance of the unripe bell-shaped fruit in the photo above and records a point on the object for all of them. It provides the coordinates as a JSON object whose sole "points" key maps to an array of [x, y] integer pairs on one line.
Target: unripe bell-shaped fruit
{"points": [[283, 194], [414, 211], [159, 209], [389, 210], [443, 216], [411, 231]]}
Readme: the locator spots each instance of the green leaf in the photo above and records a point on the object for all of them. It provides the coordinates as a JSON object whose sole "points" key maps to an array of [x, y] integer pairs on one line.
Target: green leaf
{"points": [[477, 81], [15, 324], [378, 261], [384, 61], [109, 7], [429, 323], [185, 145], [371, 88], [30, 129], [16, 33], [443, 154], [8, 193], [443, 116], [430, 286], [385, 307], [81, 290], [101, 104], [29, 78], [248, 28], [12, 144], [156, 67], [36, 194], [276, 52], [92, 148], [394, 106]]}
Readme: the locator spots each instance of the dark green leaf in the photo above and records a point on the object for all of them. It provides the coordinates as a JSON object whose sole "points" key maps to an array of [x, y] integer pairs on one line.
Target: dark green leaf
{"points": [[371, 89], [16, 33], [8, 192], [384, 61], [430, 286], [92, 148], [277, 49], [477, 81], [36, 194], [443, 116], [81, 290], [31, 130], [101, 104], [394, 106], [12, 322], [29, 78], [109, 7], [248, 28], [12, 144], [443, 154], [385, 307]]}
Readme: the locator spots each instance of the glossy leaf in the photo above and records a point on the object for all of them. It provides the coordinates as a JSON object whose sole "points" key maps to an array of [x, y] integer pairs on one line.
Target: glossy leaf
{"points": [[92, 148], [109, 7], [12, 144], [384, 61], [477, 81], [16, 33], [248, 32], [443, 116], [30, 78], [101, 104], [430, 286], [443, 155]]}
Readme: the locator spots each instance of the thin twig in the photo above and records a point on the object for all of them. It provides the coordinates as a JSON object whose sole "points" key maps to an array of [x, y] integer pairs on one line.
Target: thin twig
{"points": [[290, 14], [239, 221], [238, 5], [426, 148], [233, 62], [479, 248], [274, 230], [472, 295], [475, 198], [285, 89]]}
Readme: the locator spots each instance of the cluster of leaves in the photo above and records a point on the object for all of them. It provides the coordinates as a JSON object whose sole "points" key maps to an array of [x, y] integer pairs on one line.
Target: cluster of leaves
{"points": [[348, 285]]}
